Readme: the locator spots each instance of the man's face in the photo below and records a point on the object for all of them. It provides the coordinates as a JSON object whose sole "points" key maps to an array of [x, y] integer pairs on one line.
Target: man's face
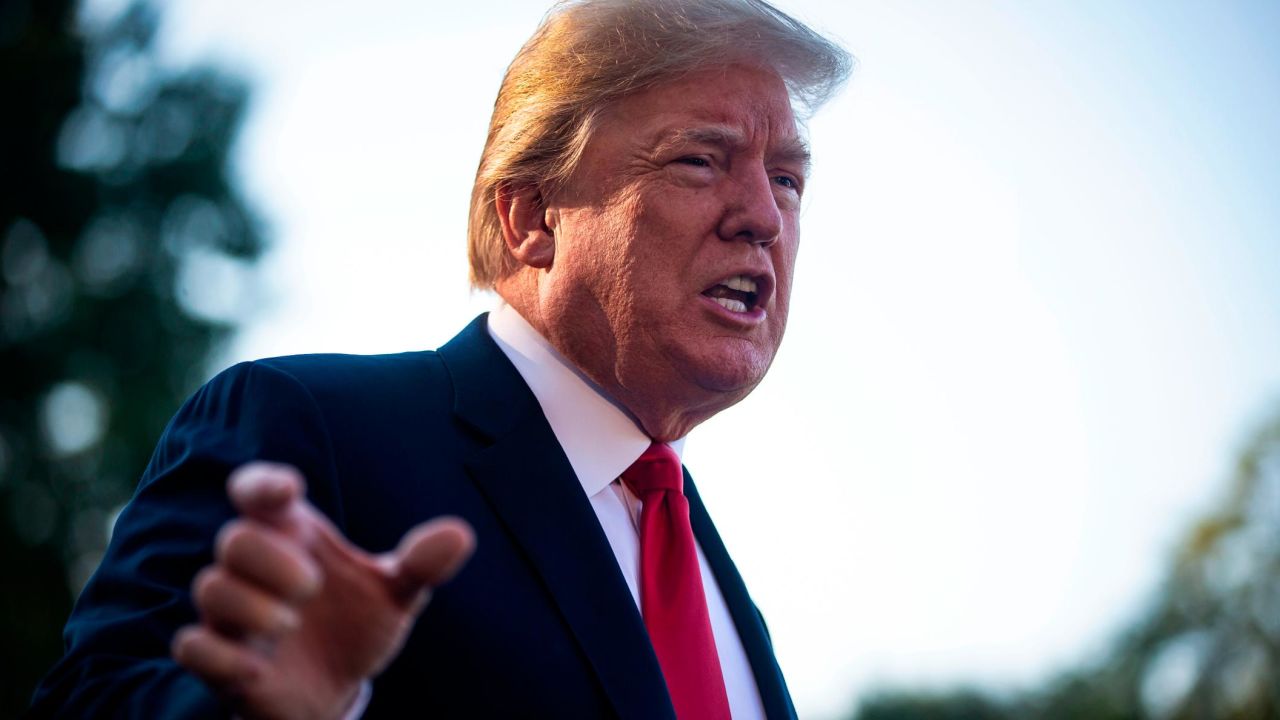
{"points": [[675, 241]]}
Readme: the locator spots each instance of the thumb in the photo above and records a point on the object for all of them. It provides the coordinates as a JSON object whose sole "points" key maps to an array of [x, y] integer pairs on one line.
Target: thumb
{"points": [[428, 556]]}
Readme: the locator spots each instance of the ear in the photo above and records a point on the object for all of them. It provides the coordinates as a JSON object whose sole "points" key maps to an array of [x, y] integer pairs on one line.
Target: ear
{"points": [[527, 224]]}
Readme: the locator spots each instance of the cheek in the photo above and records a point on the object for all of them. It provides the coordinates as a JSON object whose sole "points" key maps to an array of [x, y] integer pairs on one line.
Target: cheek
{"points": [[784, 263], [654, 268], [673, 226], [591, 248]]}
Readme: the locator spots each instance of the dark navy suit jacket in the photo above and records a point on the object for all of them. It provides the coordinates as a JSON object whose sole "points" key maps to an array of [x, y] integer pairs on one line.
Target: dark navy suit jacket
{"points": [[538, 624]]}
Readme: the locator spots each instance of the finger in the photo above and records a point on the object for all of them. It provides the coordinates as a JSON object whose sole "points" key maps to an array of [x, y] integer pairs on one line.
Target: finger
{"points": [[263, 556], [225, 664], [429, 555], [236, 608], [271, 493], [275, 494]]}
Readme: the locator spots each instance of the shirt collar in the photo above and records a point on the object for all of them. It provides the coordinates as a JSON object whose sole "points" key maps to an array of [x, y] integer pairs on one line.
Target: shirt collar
{"points": [[598, 436]]}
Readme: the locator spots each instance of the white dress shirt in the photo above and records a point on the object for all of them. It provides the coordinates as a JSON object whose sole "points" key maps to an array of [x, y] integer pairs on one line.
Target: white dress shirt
{"points": [[601, 441]]}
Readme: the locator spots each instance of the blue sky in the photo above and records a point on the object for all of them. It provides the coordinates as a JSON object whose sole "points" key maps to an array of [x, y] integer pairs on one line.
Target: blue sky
{"points": [[1037, 304]]}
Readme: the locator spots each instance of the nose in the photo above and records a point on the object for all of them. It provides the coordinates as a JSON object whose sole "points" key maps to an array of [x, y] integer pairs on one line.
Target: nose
{"points": [[751, 210]]}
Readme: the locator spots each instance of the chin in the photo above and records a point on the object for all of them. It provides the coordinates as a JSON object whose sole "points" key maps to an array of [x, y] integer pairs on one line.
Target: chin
{"points": [[735, 375]]}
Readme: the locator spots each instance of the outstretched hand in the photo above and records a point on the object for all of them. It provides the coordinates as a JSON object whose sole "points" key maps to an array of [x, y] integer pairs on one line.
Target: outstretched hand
{"points": [[293, 618]]}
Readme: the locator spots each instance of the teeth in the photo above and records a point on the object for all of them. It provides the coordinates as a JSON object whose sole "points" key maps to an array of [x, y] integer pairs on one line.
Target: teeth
{"points": [[742, 283], [734, 305]]}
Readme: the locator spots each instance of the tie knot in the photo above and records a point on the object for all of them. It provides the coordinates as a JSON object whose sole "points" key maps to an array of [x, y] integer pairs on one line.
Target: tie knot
{"points": [[658, 469]]}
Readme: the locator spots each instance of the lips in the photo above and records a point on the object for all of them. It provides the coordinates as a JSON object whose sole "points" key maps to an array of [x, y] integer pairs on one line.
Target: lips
{"points": [[740, 293]]}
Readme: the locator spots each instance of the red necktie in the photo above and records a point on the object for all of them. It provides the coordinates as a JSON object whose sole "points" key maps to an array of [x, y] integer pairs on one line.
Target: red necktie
{"points": [[671, 597]]}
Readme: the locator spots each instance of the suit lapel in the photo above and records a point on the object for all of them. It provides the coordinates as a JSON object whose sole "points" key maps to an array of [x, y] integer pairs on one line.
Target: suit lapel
{"points": [[747, 619], [531, 486]]}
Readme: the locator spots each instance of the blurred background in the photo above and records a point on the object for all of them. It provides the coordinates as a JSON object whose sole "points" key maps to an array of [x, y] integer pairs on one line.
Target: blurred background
{"points": [[1026, 418]]}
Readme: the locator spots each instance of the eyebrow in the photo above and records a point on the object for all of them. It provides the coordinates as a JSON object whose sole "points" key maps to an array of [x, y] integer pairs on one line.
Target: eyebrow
{"points": [[793, 149]]}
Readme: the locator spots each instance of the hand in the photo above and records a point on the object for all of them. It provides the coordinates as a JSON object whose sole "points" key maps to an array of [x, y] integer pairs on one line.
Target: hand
{"points": [[293, 618]]}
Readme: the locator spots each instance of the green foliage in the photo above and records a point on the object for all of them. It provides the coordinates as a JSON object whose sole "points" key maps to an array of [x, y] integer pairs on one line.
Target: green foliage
{"points": [[115, 204], [1209, 648], [957, 705]]}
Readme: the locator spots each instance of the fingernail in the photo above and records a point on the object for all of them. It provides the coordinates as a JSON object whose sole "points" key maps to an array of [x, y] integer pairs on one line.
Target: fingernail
{"points": [[287, 619], [273, 482], [262, 478]]}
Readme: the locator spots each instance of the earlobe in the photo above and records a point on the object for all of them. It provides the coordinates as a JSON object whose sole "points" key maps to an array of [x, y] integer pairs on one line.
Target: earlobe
{"points": [[527, 225]]}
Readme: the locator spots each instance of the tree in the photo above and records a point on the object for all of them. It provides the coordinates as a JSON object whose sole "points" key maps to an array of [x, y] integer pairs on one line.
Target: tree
{"points": [[1211, 646], [120, 231]]}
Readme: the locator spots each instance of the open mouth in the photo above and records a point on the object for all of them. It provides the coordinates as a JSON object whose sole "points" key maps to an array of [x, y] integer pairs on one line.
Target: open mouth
{"points": [[739, 293]]}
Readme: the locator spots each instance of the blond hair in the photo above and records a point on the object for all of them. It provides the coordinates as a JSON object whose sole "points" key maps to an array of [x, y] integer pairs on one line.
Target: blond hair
{"points": [[588, 53]]}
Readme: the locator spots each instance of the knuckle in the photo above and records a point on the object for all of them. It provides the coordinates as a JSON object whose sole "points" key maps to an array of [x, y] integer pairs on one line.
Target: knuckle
{"points": [[205, 586], [178, 644], [183, 645], [260, 472], [243, 544], [230, 537]]}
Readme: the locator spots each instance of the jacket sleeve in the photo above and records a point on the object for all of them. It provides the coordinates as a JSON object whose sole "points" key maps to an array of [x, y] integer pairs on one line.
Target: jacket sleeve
{"points": [[116, 662]]}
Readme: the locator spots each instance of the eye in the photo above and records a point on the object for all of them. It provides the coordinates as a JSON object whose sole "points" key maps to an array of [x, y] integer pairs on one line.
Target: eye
{"points": [[788, 182], [694, 161]]}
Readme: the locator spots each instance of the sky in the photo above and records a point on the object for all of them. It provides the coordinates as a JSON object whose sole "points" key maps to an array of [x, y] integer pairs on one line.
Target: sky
{"points": [[1037, 305]]}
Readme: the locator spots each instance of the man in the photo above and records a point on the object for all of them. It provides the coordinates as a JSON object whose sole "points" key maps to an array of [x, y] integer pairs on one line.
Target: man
{"points": [[636, 209]]}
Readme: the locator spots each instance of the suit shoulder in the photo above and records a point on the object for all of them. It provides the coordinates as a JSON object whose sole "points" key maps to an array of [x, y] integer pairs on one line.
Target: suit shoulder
{"points": [[375, 380], [319, 370], [327, 368], [330, 382]]}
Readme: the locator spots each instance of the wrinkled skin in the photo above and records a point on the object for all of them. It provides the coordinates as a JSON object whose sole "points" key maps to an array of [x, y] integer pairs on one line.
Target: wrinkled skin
{"points": [[682, 185], [293, 617]]}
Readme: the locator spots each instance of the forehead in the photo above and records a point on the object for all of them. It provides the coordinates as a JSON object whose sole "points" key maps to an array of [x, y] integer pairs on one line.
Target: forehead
{"points": [[732, 105]]}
